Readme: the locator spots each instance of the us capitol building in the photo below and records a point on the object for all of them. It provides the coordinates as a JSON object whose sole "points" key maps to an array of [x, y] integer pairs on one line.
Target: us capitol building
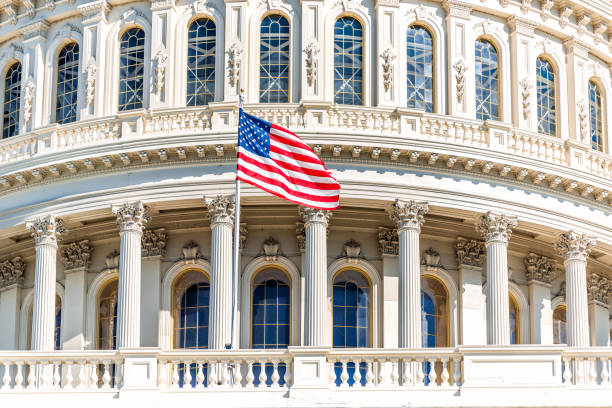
{"points": [[470, 263]]}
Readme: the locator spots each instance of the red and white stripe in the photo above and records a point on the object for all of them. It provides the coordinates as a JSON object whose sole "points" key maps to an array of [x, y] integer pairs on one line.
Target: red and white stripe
{"points": [[293, 172]]}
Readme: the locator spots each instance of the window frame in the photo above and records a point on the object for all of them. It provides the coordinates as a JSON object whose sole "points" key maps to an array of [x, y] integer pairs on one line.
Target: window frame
{"points": [[404, 63], [258, 57], [371, 327], [448, 306], [556, 92], [5, 71], [497, 48], [190, 21], [56, 79], [598, 85], [364, 62], [146, 73], [106, 283], [175, 300]]}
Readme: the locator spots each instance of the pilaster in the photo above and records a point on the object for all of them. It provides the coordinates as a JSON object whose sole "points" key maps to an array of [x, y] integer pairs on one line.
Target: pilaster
{"points": [[312, 50], [470, 260], [33, 106], [496, 230], [388, 247], [539, 275], [153, 249], [387, 61], [236, 52], [577, 54], [524, 103], [460, 64], [599, 289], [11, 280], [163, 24]]}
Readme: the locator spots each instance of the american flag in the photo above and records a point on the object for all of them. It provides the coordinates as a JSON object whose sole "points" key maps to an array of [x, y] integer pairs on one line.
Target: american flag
{"points": [[279, 162]]}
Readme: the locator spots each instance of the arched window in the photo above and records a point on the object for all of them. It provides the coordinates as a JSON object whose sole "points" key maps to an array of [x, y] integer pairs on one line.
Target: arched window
{"points": [[12, 101], [131, 69], [596, 116], [274, 60], [559, 325], [67, 84], [201, 50], [419, 69], [514, 321], [271, 313], [547, 111], [348, 61], [487, 81], [57, 333], [434, 313], [107, 317]]}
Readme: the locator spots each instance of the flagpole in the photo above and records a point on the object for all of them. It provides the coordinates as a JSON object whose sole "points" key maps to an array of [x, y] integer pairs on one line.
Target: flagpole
{"points": [[235, 263]]}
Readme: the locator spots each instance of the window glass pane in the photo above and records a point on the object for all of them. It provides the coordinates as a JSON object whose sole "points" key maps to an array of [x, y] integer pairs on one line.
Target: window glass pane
{"points": [[12, 101], [559, 326], [67, 84], [271, 310], [201, 49], [58, 323], [351, 310], [434, 313], [419, 68], [348, 62], [131, 69], [107, 317], [514, 319], [546, 107], [274, 60], [193, 317], [487, 92], [596, 116]]}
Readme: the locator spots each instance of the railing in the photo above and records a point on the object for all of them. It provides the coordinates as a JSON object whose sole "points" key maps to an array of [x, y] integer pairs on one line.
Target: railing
{"points": [[587, 366]]}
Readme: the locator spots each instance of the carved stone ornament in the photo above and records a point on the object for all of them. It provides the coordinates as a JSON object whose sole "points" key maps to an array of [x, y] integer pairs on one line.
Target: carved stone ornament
{"points": [[28, 100], [525, 94], [270, 248], [221, 210], [348, 5], [504, 3], [525, 4], [11, 12], [496, 227], [539, 268], [76, 255], [352, 250], [269, 4], [112, 260], [388, 241], [160, 69], [420, 13], [546, 5], [583, 120], [460, 70], [300, 234], [234, 60], [314, 215], [470, 252], [409, 214], [11, 272], [191, 251], [90, 82], [575, 246], [153, 243], [599, 288], [242, 235], [387, 57], [431, 258], [561, 289], [46, 230], [311, 62], [564, 13], [131, 216]]}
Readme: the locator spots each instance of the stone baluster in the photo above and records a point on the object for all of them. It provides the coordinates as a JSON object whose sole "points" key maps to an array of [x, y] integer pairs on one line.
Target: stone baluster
{"points": [[315, 313], [46, 232], [221, 211], [575, 247], [131, 218], [496, 230], [409, 217]]}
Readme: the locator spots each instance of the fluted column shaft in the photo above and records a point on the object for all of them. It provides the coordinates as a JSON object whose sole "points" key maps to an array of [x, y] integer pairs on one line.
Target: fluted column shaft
{"points": [[409, 217], [315, 303], [496, 229], [576, 248], [131, 218], [45, 232], [221, 210]]}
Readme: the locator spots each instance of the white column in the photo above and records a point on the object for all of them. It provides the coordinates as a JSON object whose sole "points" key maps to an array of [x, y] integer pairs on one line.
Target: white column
{"points": [[131, 218], [11, 281], [496, 230], [470, 258], [409, 217], [76, 258], [388, 247], [46, 231], [575, 247], [539, 275], [316, 324], [153, 248], [221, 211]]}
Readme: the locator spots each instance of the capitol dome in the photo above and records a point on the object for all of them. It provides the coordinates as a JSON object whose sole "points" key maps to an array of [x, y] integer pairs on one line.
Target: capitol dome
{"points": [[471, 255]]}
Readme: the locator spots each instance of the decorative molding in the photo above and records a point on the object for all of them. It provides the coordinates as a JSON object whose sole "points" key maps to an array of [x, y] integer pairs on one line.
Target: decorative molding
{"points": [[269, 4], [431, 258], [349, 5], [420, 13], [583, 120], [220, 210], [564, 14], [470, 252], [388, 241], [90, 81], [270, 248], [352, 250], [539, 268], [130, 15], [28, 100], [562, 289], [599, 288], [131, 216], [242, 235], [496, 227], [46, 230], [409, 214], [456, 8], [234, 60], [314, 215], [525, 94], [525, 5], [575, 246], [153, 243], [546, 5], [460, 70], [387, 57], [94, 11], [162, 5], [11, 272], [311, 63], [76, 255], [191, 251], [521, 26], [35, 31], [10, 8], [300, 234], [583, 21], [112, 261], [160, 69]]}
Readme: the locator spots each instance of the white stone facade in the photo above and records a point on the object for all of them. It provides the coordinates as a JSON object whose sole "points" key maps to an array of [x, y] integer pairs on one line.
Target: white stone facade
{"points": [[513, 225]]}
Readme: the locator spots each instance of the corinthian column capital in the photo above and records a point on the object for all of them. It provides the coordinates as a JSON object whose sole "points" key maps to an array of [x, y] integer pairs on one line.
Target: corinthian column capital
{"points": [[496, 227], [221, 210], [131, 216], [409, 214], [46, 230], [314, 215], [575, 246]]}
